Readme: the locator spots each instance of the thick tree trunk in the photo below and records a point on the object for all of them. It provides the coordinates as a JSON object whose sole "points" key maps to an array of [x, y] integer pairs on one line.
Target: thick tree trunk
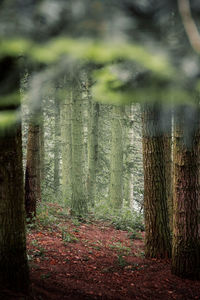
{"points": [[157, 238], [32, 174], [186, 241], [167, 136], [14, 272], [116, 172]]}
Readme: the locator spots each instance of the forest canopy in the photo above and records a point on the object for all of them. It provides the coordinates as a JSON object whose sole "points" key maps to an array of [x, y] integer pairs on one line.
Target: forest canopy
{"points": [[131, 48]]}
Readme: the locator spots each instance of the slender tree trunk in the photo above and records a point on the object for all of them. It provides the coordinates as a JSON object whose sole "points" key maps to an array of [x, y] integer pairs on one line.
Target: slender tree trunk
{"points": [[157, 238], [41, 147], [14, 272], [66, 138], [92, 150], [186, 240], [116, 175], [79, 199], [57, 146]]}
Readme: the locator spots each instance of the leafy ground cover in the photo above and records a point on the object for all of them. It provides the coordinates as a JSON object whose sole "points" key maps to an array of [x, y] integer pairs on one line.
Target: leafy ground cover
{"points": [[93, 260]]}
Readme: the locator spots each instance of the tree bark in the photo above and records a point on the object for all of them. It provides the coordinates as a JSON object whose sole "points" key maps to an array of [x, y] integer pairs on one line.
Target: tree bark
{"points": [[92, 150], [66, 145], [32, 174], [14, 272], [79, 199], [186, 240], [116, 172], [57, 146], [157, 237]]}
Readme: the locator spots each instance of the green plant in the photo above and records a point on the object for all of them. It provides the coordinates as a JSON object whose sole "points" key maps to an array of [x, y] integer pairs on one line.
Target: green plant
{"points": [[121, 261], [120, 248], [122, 219], [68, 238], [135, 235]]}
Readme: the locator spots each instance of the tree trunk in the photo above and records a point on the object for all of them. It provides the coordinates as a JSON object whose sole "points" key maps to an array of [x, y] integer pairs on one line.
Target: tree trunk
{"points": [[79, 200], [66, 137], [116, 172], [14, 272], [32, 174], [186, 241], [92, 150], [57, 146], [157, 238]]}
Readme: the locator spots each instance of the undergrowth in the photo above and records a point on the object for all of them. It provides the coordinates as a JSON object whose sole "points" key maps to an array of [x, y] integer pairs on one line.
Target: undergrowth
{"points": [[51, 213]]}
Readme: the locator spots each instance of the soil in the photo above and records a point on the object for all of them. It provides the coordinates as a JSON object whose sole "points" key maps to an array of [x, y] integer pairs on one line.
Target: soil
{"points": [[95, 261]]}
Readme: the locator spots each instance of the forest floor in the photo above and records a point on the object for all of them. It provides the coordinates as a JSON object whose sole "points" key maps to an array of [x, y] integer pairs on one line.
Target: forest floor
{"points": [[95, 261]]}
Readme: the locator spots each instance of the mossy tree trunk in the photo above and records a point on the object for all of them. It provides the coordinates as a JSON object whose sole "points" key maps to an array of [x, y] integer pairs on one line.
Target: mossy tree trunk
{"points": [[79, 199], [186, 240], [157, 237], [41, 146], [66, 145], [14, 272], [92, 148], [116, 166], [56, 146]]}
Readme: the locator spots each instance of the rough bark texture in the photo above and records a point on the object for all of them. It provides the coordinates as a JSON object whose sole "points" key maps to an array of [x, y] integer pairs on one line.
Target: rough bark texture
{"points": [[157, 237], [167, 137], [14, 272], [186, 241], [79, 199], [32, 175], [116, 172]]}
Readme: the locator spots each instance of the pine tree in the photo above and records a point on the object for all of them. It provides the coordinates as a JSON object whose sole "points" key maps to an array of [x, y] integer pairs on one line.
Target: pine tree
{"points": [[14, 272], [66, 144], [92, 147], [79, 199], [186, 240], [157, 238], [56, 145], [32, 174], [116, 168]]}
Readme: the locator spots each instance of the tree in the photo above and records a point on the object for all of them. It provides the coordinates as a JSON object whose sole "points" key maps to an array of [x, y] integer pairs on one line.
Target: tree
{"points": [[92, 146], [56, 145], [116, 168], [14, 271], [66, 144], [157, 238], [32, 174], [79, 199], [186, 240]]}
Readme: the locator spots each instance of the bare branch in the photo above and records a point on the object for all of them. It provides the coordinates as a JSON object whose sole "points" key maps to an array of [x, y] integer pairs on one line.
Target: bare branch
{"points": [[189, 24]]}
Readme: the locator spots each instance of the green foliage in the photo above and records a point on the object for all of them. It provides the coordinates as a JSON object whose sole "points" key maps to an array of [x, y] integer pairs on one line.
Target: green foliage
{"points": [[121, 261], [123, 219], [124, 250], [68, 237]]}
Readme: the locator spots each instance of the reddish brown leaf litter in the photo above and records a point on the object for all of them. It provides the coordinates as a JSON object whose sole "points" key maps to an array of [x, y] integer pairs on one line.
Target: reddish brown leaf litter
{"points": [[95, 261]]}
